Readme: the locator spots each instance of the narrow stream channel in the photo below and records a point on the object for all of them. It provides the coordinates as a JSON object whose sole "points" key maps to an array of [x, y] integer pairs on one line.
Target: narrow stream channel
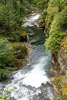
{"points": [[32, 81]]}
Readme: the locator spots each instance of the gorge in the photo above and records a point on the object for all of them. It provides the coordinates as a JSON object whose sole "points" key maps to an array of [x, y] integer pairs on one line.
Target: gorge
{"points": [[32, 81]]}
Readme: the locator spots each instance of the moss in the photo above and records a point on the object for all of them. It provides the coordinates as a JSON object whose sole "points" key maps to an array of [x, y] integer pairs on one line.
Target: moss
{"points": [[64, 85], [20, 49], [58, 83], [22, 35], [64, 91], [62, 54], [64, 43]]}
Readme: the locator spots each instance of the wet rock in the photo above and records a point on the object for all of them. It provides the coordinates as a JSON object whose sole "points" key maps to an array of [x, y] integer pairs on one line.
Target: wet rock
{"points": [[47, 92], [55, 69], [40, 24], [54, 58], [11, 98]]}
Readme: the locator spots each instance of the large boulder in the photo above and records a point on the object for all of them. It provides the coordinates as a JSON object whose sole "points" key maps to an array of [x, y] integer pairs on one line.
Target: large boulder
{"points": [[20, 54]]}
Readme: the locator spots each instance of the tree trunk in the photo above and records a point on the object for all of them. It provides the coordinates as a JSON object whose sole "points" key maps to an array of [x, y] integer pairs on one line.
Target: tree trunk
{"points": [[14, 4], [5, 2], [20, 12]]}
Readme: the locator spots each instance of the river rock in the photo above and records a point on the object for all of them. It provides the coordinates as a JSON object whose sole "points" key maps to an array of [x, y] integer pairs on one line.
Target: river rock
{"points": [[47, 92]]}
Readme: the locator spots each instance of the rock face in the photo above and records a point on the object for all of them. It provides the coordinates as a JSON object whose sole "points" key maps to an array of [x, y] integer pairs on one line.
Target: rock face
{"points": [[60, 68], [62, 55], [60, 60], [46, 91]]}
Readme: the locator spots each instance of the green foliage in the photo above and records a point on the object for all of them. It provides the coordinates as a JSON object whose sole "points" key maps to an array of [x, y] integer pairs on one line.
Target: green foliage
{"points": [[61, 98], [57, 99], [51, 11], [6, 57], [12, 14], [9, 23], [4, 73], [4, 95], [59, 3], [5, 52], [42, 4], [57, 31], [11, 18]]}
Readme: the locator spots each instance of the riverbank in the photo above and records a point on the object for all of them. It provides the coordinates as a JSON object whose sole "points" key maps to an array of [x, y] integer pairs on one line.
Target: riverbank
{"points": [[32, 81], [54, 17], [56, 44]]}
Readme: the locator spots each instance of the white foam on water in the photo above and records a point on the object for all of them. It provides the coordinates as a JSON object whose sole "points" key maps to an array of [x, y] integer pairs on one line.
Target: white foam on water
{"points": [[35, 77], [31, 21], [35, 17], [24, 94]]}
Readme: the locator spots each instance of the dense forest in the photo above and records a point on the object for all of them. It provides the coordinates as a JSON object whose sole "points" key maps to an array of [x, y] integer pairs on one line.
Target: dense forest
{"points": [[14, 39], [12, 51]]}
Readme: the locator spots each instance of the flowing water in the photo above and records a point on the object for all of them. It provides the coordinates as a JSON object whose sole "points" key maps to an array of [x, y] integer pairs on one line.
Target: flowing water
{"points": [[32, 82]]}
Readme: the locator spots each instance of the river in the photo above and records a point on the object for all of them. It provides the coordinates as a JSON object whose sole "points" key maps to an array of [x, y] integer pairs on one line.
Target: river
{"points": [[32, 81]]}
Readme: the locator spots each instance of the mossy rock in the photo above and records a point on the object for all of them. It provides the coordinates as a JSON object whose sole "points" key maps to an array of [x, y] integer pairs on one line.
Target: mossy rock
{"points": [[60, 82], [63, 49], [62, 55], [20, 50], [19, 63], [20, 53], [64, 43], [23, 36], [64, 85]]}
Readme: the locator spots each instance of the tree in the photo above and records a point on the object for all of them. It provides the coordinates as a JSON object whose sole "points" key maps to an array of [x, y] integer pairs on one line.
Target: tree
{"points": [[58, 3]]}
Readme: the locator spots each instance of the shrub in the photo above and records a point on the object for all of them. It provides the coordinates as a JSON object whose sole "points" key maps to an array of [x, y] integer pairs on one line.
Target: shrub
{"points": [[4, 73], [57, 31], [5, 52], [4, 95], [6, 57], [9, 23], [51, 11]]}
